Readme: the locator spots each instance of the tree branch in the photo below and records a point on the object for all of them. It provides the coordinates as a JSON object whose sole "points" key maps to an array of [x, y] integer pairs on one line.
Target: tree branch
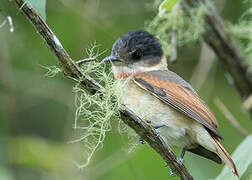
{"points": [[219, 39], [74, 72]]}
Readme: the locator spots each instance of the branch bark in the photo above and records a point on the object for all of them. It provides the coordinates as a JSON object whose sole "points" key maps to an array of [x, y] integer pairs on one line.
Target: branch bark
{"points": [[219, 39], [74, 72]]}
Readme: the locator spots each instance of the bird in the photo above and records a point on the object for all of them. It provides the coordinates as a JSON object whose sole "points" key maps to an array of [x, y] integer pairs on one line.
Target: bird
{"points": [[165, 99]]}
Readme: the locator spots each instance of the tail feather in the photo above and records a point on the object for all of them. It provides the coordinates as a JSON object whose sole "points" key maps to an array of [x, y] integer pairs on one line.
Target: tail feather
{"points": [[225, 157]]}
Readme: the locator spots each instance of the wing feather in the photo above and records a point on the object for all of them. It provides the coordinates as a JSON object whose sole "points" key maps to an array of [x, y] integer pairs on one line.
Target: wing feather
{"points": [[178, 94]]}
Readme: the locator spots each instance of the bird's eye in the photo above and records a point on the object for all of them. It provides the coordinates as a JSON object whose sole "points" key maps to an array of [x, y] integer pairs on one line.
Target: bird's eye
{"points": [[136, 55]]}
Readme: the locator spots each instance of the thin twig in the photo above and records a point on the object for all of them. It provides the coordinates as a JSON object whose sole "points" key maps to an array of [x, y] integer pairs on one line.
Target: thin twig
{"points": [[174, 53], [9, 20], [247, 104], [73, 71], [203, 68], [82, 61], [229, 116]]}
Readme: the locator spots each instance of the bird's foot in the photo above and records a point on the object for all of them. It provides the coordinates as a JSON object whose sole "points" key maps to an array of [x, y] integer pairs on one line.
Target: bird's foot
{"points": [[181, 160], [157, 127], [141, 141], [181, 156], [171, 172]]}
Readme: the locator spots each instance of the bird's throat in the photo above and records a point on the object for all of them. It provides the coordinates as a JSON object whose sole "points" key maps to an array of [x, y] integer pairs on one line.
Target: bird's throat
{"points": [[123, 72], [124, 75]]}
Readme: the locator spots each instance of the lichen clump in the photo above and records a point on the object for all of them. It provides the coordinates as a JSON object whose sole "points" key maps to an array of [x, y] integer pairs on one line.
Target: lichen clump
{"points": [[188, 29], [242, 33], [94, 112]]}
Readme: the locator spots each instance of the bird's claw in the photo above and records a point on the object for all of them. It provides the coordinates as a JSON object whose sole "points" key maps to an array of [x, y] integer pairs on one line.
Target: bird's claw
{"points": [[181, 160], [157, 127], [181, 156], [171, 172], [158, 132], [140, 140]]}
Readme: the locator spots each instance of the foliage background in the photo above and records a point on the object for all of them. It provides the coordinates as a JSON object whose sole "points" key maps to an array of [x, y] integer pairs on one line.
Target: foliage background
{"points": [[37, 112]]}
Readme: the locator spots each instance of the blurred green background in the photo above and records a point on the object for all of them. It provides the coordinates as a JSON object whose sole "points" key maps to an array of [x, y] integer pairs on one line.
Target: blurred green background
{"points": [[37, 112]]}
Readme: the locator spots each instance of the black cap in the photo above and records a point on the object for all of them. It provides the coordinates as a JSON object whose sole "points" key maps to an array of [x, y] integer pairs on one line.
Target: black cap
{"points": [[135, 46]]}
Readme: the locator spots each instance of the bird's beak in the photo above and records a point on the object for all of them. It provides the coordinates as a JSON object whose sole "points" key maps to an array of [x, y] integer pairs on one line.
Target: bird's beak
{"points": [[109, 59]]}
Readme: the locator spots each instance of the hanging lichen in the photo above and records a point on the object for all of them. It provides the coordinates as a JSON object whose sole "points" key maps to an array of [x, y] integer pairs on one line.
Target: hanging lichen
{"points": [[242, 33], [94, 112]]}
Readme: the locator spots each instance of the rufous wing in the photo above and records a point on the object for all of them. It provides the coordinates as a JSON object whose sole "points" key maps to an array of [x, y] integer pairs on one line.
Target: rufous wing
{"points": [[177, 93]]}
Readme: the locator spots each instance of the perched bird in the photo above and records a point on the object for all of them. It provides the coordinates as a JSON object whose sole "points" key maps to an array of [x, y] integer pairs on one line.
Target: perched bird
{"points": [[164, 98]]}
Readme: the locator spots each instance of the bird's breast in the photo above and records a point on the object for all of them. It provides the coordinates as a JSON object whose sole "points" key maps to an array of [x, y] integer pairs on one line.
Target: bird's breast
{"points": [[148, 107]]}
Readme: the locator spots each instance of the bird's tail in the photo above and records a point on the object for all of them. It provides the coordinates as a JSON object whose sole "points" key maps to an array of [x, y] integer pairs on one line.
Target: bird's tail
{"points": [[223, 154]]}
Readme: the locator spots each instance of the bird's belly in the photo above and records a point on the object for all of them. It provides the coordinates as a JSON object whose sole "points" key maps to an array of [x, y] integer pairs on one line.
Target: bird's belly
{"points": [[149, 108]]}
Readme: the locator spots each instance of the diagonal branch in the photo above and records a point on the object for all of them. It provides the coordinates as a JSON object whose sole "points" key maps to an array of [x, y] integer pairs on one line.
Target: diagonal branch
{"points": [[219, 39], [74, 72]]}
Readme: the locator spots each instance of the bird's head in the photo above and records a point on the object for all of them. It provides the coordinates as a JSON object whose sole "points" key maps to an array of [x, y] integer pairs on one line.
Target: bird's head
{"points": [[134, 52]]}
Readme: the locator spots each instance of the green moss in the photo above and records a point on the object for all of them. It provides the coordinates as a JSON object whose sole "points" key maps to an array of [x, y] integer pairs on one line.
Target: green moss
{"points": [[94, 112], [191, 29], [242, 33], [51, 70]]}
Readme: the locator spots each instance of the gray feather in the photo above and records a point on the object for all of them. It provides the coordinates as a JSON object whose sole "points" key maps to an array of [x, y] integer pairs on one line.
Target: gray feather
{"points": [[173, 77]]}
